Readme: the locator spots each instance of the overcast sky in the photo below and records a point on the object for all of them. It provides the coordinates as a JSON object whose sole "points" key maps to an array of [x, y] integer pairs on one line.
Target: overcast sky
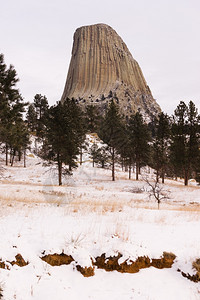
{"points": [[162, 35]]}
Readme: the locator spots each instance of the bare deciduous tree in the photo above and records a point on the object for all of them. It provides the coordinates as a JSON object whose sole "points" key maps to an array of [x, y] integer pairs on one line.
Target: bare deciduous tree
{"points": [[157, 191]]}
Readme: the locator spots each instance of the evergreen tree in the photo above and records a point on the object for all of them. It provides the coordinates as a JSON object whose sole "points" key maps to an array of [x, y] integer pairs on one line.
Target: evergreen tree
{"points": [[2, 76], [102, 156], [41, 107], [11, 104], [111, 132], [92, 118], [127, 151], [94, 153], [185, 151], [139, 138], [161, 145], [99, 155], [64, 136], [31, 118], [19, 141], [178, 139]]}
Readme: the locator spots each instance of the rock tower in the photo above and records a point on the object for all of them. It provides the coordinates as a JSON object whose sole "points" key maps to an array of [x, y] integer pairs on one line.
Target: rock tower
{"points": [[102, 68]]}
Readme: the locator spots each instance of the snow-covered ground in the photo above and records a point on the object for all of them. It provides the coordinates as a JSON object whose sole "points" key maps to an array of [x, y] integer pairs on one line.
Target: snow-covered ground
{"points": [[88, 216]]}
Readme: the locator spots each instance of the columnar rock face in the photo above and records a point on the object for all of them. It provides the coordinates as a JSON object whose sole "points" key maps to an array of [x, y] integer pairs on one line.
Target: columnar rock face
{"points": [[102, 68]]}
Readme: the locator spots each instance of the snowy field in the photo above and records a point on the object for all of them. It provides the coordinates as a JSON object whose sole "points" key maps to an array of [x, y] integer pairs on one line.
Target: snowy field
{"points": [[88, 216]]}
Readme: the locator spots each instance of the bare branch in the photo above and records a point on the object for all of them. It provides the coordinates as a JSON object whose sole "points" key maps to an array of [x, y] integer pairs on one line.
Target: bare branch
{"points": [[156, 190]]}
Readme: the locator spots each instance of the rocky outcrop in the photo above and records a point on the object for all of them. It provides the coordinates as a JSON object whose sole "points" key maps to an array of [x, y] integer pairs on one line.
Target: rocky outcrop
{"points": [[102, 68]]}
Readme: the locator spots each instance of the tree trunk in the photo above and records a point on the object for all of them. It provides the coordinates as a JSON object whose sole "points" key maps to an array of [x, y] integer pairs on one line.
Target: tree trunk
{"points": [[70, 165], [137, 170], [113, 164], [186, 177], [122, 164], [59, 169], [158, 204], [12, 160], [60, 173], [81, 157], [36, 150], [6, 154], [24, 158], [163, 176], [157, 176], [129, 169], [19, 155]]}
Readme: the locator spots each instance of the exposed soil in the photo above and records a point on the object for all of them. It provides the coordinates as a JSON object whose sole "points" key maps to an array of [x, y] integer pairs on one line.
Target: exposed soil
{"points": [[86, 271], [194, 278], [111, 263], [58, 259], [19, 261], [64, 259]]}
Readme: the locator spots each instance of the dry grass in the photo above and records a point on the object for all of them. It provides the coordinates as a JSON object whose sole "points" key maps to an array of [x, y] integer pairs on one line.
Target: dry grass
{"points": [[87, 202], [182, 186], [53, 193], [76, 240], [12, 182], [122, 232], [18, 198], [84, 204], [161, 219], [99, 188]]}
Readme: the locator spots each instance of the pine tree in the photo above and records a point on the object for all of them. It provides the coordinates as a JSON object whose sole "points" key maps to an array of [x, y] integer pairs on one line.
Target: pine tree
{"points": [[64, 136], [11, 104], [41, 106], [92, 118], [99, 155], [19, 140], [94, 153], [139, 138], [31, 118], [185, 151], [102, 157], [127, 151], [111, 132], [2, 76], [161, 145], [4, 105]]}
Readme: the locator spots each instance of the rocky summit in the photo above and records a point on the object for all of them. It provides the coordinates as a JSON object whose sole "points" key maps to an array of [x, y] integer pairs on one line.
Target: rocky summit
{"points": [[102, 68]]}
